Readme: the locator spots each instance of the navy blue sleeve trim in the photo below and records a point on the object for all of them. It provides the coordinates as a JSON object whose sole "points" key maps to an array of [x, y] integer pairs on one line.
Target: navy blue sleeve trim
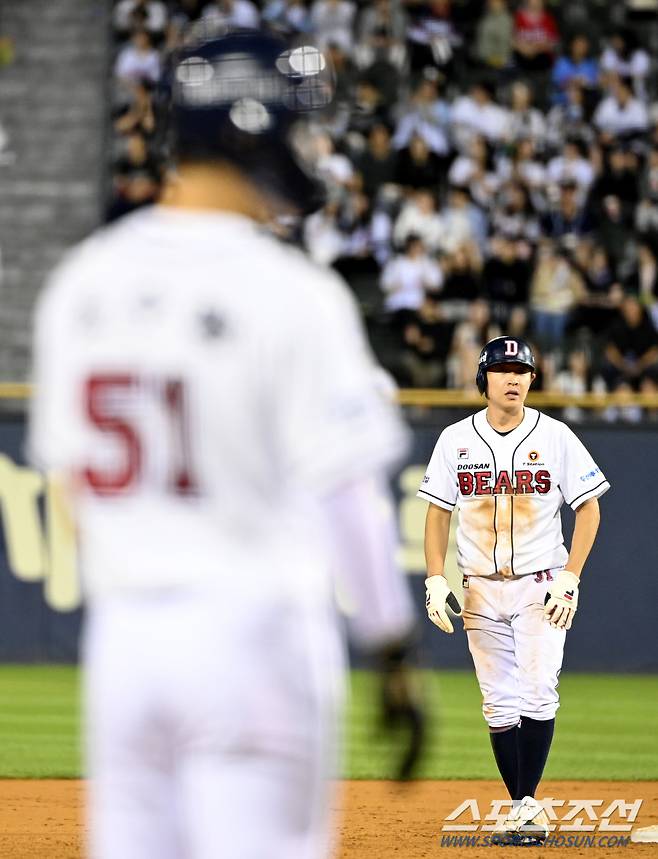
{"points": [[587, 492], [442, 500]]}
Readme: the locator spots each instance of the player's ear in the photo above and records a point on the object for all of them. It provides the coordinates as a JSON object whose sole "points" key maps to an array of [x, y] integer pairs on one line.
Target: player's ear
{"points": [[533, 376]]}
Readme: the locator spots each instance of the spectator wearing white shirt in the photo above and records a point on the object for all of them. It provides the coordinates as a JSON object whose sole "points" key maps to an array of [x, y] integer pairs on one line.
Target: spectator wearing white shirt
{"points": [[477, 172], [419, 217], [621, 114], [232, 13], [624, 58], [477, 113], [570, 166], [138, 60], [428, 116], [153, 14], [524, 120], [408, 277], [332, 23]]}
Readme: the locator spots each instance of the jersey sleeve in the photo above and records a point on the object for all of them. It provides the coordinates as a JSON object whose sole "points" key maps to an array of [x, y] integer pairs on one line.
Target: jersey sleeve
{"points": [[581, 478], [439, 484], [336, 422], [52, 441]]}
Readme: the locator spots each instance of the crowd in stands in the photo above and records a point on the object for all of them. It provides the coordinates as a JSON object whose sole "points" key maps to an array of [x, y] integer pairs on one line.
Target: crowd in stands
{"points": [[491, 167]]}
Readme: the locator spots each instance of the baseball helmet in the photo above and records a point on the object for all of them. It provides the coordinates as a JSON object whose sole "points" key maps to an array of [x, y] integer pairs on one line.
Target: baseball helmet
{"points": [[240, 98], [503, 350]]}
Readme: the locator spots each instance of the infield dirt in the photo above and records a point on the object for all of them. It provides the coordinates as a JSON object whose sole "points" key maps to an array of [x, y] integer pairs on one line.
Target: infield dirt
{"points": [[376, 819]]}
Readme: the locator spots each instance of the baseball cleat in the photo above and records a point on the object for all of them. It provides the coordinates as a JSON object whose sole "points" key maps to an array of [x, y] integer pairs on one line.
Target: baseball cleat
{"points": [[526, 825]]}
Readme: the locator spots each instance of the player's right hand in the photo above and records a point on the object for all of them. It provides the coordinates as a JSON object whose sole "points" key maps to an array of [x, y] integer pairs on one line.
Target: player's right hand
{"points": [[438, 598]]}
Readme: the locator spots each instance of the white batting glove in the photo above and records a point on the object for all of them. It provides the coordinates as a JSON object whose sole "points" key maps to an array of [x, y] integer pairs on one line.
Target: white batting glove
{"points": [[562, 600], [438, 593]]}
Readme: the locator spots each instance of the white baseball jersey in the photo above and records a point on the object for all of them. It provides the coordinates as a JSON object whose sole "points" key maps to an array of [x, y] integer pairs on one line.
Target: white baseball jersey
{"points": [[202, 383], [509, 489]]}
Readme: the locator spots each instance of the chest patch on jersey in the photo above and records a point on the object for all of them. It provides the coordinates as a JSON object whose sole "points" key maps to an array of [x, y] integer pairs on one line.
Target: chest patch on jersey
{"points": [[462, 453], [533, 456]]}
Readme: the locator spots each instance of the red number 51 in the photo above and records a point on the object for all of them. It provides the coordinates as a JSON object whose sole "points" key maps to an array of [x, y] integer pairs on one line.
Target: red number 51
{"points": [[101, 392]]}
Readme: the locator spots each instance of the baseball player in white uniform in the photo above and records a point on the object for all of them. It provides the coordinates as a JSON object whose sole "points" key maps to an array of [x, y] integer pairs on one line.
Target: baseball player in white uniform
{"points": [[508, 469], [208, 398]]}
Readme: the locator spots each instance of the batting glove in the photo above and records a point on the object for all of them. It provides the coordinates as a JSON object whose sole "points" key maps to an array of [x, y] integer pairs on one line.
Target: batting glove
{"points": [[562, 600], [438, 598]]}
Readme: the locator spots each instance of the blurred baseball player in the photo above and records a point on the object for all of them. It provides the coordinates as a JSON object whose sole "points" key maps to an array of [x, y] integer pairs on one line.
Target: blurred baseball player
{"points": [[209, 399], [509, 469]]}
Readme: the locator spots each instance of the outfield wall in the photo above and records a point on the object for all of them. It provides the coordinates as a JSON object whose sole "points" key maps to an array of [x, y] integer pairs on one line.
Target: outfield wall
{"points": [[614, 630]]}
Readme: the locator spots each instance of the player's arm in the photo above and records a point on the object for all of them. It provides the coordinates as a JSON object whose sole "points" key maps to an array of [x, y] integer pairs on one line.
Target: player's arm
{"points": [[562, 597], [363, 534], [438, 593], [588, 517]]}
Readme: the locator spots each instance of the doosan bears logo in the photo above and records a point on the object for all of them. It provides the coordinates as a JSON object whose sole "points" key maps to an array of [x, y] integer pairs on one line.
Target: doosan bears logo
{"points": [[521, 482]]}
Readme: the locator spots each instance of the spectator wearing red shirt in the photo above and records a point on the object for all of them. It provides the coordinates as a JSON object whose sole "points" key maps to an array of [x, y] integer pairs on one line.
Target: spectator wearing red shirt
{"points": [[535, 37]]}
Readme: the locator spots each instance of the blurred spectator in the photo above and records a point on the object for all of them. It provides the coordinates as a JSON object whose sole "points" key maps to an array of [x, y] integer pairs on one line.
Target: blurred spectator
{"points": [[577, 66], [626, 59], [335, 168], [378, 164], [569, 121], [572, 380], [555, 290], [514, 217], [138, 61], [476, 114], [287, 17], [476, 171], [131, 191], [620, 115], [151, 14], [570, 221], [431, 34], [427, 115], [619, 178], [331, 21], [323, 238], [462, 275], [427, 338], [570, 166], [136, 159], [418, 217], [493, 36], [470, 336], [631, 348], [231, 13], [381, 28], [535, 36], [408, 276], [524, 121], [137, 113], [417, 165], [602, 294], [463, 222], [643, 282], [505, 278], [614, 232], [368, 109], [523, 166]]}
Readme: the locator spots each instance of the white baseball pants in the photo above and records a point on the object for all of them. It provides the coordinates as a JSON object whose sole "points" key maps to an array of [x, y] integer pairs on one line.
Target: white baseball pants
{"points": [[210, 728], [516, 653]]}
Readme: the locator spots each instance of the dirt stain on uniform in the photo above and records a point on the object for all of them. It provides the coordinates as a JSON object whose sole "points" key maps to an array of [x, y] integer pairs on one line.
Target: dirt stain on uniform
{"points": [[476, 517]]}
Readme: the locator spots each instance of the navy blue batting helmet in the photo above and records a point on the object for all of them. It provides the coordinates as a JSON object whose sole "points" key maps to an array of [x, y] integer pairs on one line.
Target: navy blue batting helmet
{"points": [[503, 350], [239, 98]]}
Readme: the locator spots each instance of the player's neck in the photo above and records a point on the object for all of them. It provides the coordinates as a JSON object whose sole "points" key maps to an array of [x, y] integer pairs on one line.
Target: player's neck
{"points": [[216, 188], [504, 420]]}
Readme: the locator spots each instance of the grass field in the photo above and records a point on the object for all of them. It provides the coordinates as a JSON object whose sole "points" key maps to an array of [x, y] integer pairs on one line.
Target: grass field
{"points": [[606, 727]]}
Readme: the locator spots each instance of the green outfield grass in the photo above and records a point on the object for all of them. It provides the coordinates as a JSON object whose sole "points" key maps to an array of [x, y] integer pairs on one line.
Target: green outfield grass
{"points": [[606, 727]]}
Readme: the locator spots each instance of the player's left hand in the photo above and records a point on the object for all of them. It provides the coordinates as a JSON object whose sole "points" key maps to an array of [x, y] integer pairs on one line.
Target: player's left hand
{"points": [[562, 600], [402, 709], [438, 596]]}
